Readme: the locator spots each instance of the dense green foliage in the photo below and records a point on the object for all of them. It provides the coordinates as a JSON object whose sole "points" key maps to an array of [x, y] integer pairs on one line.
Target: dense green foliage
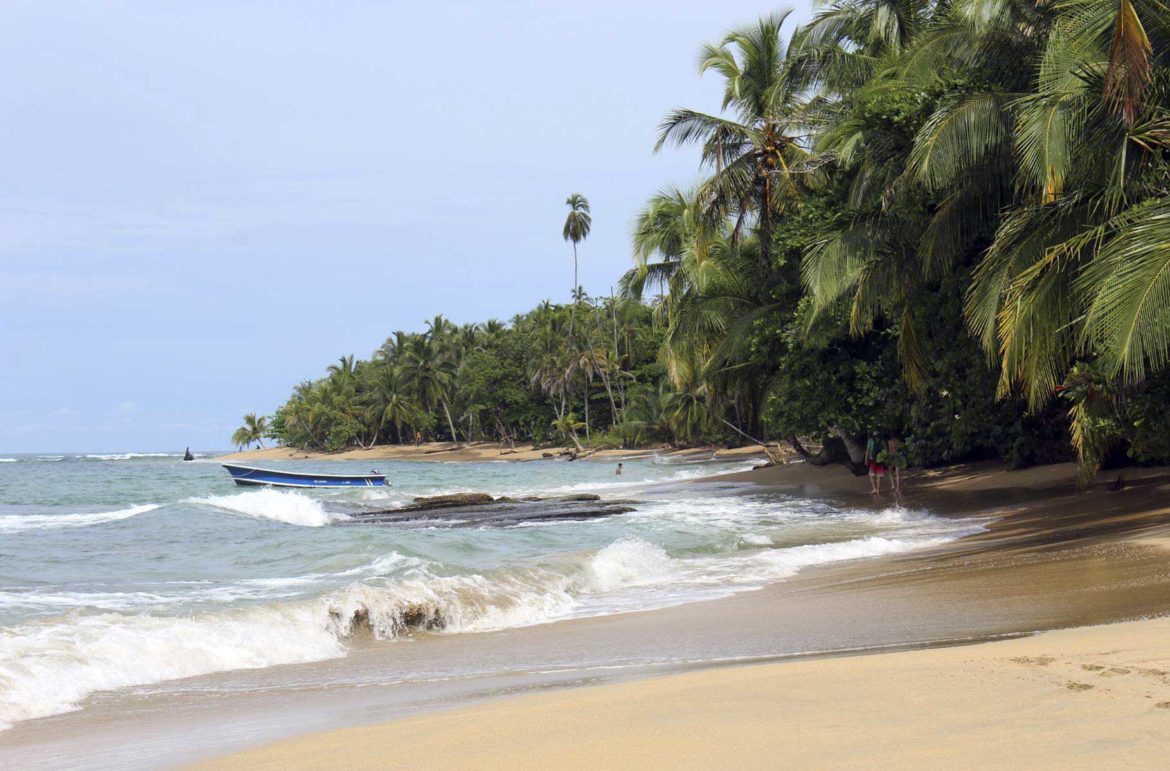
{"points": [[946, 221], [530, 379]]}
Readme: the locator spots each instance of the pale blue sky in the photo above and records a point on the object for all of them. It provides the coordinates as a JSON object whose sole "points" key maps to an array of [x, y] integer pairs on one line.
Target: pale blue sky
{"points": [[202, 204]]}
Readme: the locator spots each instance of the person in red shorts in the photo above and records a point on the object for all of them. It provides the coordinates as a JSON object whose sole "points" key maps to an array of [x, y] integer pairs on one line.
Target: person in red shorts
{"points": [[876, 470]]}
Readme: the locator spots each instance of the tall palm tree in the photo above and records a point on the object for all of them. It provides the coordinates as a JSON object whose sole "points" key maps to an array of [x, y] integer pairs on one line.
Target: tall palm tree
{"points": [[577, 225], [753, 156]]}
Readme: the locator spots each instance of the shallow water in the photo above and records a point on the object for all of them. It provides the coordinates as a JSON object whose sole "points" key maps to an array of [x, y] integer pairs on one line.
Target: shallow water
{"points": [[129, 570]]}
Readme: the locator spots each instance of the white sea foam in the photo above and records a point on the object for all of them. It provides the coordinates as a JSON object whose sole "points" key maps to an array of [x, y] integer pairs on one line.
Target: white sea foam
{"points": [[9, 460], [131, 455], [628, 562], [15, 523], [281, 506], [50, 666], [782, 563]]}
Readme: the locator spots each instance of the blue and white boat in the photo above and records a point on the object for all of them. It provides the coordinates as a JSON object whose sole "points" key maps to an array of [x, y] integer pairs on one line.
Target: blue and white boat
{"points": [[249, 475]]}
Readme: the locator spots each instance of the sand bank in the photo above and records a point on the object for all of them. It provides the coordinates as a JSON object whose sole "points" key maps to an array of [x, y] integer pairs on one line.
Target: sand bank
{"points": [[484, 451], [1095, 697]]}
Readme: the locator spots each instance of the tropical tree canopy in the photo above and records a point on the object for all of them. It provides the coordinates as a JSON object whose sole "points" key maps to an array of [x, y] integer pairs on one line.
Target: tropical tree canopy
{"points": [[946, 221]]}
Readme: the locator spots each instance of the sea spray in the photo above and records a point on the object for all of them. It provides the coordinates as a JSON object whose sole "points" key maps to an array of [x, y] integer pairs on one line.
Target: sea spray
{"points": [[49, 667], [280, 506]]}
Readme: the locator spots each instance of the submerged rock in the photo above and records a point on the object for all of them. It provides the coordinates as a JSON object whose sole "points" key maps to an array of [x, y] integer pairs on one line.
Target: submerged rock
{"points": [[446, 501], [481, 509]]}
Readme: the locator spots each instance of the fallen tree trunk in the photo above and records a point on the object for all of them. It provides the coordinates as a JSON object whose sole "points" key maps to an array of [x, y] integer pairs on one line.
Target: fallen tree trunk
{"points": [[834, 450], [773, 456]]}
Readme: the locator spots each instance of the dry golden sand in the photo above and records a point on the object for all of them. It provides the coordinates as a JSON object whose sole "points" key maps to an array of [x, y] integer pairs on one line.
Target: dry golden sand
{"points": [[1094, 697], [1090, 697]]}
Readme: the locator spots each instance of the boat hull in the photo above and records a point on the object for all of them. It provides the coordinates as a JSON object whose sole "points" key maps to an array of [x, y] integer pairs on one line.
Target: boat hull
{"points": [[248, 476]]}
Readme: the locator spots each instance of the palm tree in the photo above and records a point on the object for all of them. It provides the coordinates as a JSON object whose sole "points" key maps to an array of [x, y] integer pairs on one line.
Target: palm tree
{"points": [[253, 430], [388, 403], [754, 156], [568, 426], [686, 412], [577, 225], [429, 371]]}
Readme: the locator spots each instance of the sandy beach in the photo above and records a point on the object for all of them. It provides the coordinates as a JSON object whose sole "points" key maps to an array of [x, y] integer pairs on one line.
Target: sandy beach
{"points": [[1085, 696], [1095, 697]]}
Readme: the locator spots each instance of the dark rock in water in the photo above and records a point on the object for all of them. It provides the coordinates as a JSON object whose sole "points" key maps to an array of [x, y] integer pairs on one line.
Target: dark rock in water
{"points": [[411, 617], [480, 510], [447, 501]]}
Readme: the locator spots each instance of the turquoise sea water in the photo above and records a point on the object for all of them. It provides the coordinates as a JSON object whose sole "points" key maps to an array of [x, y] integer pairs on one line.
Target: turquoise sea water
{"points": [[123, 570]]}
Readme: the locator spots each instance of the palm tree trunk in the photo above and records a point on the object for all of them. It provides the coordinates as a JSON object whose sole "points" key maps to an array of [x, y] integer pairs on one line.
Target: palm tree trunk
{"points": [[450, 423], [573, 294], [586, 395], [766, 226], [609, 392]]}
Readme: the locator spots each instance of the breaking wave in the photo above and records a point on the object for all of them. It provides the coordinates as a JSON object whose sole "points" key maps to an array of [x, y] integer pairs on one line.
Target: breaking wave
{"points": [[290, 508], [50, 666], [16, 523]]}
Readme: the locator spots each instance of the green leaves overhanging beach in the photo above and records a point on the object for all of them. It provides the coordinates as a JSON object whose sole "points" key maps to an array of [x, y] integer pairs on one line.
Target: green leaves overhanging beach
{"points": [[944, 221]]}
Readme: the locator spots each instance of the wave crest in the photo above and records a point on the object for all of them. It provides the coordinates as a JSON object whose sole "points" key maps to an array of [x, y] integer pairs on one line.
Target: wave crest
{"points": [[16, 523], [291, 508]]}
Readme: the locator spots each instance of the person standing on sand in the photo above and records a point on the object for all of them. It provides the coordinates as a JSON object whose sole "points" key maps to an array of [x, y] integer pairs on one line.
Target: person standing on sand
{"points": [[893, 458], [876, 469]]}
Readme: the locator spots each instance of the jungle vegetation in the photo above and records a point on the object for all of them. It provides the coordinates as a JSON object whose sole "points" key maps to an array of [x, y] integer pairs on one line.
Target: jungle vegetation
{"points": [[943, 219]]}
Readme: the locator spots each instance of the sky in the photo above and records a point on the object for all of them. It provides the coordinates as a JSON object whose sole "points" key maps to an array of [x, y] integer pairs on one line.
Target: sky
{"points": [[203, 204]]}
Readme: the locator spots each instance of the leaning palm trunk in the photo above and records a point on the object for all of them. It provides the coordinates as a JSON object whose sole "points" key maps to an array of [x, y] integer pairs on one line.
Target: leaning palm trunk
{"points": [[609, 392], [586, 395], [774, 456], [450, 423]]}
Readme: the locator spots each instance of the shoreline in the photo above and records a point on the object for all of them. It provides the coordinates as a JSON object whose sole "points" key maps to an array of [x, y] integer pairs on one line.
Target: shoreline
{"points": [[1048, 558], [447, 452], [1043, 539], [1089, 697]]}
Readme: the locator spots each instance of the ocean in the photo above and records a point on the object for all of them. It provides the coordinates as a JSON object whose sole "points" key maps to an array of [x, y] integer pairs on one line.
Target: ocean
{"points": [[122, 571]]}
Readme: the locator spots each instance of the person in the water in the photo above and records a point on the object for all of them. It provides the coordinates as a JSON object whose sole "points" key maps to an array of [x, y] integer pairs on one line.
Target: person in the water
{"points": [[619, 470]]}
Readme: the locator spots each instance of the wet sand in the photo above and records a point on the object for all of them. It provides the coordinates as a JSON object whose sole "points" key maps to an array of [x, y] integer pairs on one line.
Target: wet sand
{"points": [[1092, 698], [1051, 558]]}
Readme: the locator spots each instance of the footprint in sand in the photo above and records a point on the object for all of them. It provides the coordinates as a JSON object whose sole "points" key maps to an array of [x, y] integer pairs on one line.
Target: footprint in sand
{"points": [[1034, 661], [1078, 686], [1092, 667], [1162, 705]]}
